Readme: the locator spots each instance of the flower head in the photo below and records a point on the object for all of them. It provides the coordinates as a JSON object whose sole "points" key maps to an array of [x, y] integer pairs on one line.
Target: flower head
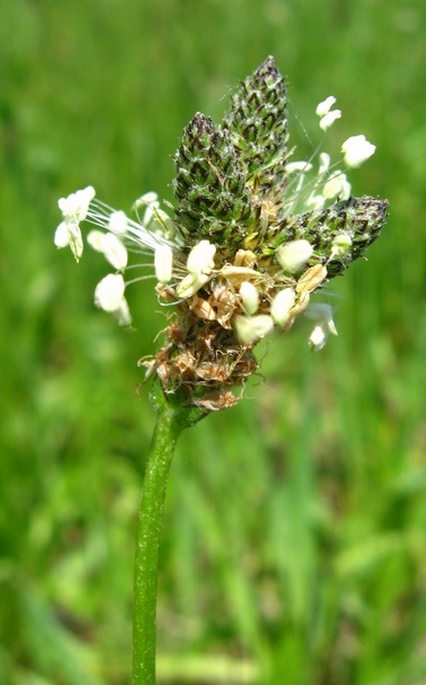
{"points": [[251, 237]]}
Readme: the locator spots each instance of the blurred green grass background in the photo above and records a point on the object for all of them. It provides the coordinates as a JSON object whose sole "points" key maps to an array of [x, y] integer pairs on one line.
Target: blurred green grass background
{"points": [[294, 548]]}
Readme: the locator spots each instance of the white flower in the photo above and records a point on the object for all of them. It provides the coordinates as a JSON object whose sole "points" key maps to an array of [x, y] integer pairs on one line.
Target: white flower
{"points": [[292, 255], [281, 306], [326, 114], [323, 315], [250, 297], [328, 119], [74, 209], [109, 296], [325, 105], [68, 234], [250, 329], [356, 150], [75, 206], [110, 246], [318, 338]]}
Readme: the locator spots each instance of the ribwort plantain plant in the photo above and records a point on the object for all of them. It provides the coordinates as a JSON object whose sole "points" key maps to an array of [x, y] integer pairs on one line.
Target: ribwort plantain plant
{"points": [[253, 234]]}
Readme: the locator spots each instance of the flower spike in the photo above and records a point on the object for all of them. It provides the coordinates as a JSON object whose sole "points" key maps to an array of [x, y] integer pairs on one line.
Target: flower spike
{"points": [[252, 237]]}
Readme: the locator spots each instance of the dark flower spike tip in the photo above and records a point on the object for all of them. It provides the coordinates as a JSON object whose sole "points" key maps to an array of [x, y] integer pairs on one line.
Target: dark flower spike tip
{"points": [[210, 185]]}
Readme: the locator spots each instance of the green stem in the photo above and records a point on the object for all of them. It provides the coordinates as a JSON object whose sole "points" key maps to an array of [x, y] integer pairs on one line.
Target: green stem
{"points": [[172, 419]]}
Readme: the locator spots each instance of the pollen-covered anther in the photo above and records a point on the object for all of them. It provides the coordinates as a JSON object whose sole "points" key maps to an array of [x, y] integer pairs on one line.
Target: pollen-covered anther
{"points": [[201, 258], [163, 263], [324, 106], [109, 292], [251, 329], [293, 255], [282, 305], [74, 209], [200, 264], [357, 150], [328, 119], [250, 297], [326, 114], [109, 296]]}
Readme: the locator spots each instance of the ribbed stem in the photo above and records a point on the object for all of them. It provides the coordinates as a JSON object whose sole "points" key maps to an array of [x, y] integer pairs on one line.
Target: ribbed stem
{"points": [[171, 421]]}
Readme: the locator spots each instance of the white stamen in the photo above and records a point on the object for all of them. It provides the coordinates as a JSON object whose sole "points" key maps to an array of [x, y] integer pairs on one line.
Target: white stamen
{"points": [[324, 107], [293, 255], [337, 186], [357, 150], [200, 259], [250, 297], [76, 205], [109, 293], [110, 246], [163, 263], [250, 329], [281, 306], [329, 119], [61, 238]]}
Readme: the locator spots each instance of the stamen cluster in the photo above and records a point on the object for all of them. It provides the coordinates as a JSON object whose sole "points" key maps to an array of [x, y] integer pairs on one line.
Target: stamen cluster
{"points": [[251, 237]]}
